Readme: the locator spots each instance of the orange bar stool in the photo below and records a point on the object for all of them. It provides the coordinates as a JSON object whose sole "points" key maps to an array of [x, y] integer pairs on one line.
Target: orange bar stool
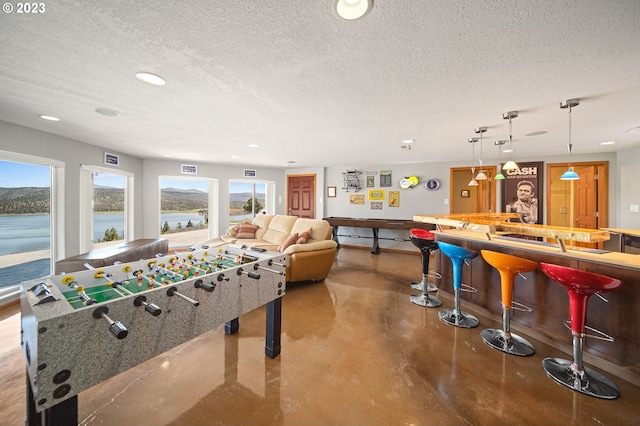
{"points": [[458, 256], [580, 285], [425, 241], [503, 340]]}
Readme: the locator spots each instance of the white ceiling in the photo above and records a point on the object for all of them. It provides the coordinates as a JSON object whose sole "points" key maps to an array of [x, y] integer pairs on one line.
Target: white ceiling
{"points": [[312, 88]]}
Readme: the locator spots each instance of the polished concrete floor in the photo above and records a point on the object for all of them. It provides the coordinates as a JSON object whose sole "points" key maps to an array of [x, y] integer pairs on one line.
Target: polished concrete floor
{"points": [[355, 351]]}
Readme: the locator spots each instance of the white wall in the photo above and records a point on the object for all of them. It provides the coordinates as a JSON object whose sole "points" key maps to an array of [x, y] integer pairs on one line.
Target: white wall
{"points": [[629, 188]]}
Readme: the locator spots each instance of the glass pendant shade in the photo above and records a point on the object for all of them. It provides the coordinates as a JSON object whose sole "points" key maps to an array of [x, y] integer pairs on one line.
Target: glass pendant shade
{"points": [[510, 165], [481, 176], [570, 175], [499, 176], [473, 182]]}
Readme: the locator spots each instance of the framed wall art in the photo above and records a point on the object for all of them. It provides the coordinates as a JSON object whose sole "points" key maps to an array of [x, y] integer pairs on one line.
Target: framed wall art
{"points": [[331, 191]]}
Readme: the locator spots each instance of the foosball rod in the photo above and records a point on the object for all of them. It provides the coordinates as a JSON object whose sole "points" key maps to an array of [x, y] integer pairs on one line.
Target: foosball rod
{"points": [[71, 282], [271, 262], [256, 267], [140, 300], [253, 275], [243, 255], [172, 291]]}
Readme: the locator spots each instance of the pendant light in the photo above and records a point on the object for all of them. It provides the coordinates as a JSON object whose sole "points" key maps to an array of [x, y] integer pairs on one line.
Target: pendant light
{"points": [[499, 176], [473, 181], [510, 165], [570, 174], [481, 175]]}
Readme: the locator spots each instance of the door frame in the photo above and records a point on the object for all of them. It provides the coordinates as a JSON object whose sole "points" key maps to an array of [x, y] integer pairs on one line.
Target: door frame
{"points": [[602, 184], [287, 194], [454, 190]]}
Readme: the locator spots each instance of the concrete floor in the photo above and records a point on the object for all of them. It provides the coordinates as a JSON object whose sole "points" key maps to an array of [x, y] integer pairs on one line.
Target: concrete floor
{"points": [[355, 351]]}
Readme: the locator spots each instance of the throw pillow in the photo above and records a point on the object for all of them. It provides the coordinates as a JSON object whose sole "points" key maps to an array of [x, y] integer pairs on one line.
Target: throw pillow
{"points": [[291, 239], [246, 231], [304, 236]]}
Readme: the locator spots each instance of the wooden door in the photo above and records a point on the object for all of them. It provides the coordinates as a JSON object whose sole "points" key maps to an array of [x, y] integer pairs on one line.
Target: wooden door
{"points": [[301, 195], [586, 198]]}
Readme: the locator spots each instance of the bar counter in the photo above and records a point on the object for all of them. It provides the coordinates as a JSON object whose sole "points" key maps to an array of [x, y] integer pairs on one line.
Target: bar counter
{"points": [[549, 300]]}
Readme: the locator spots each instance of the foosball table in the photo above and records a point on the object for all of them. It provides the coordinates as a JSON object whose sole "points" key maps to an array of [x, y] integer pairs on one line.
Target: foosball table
{"points": [[82, 328]]}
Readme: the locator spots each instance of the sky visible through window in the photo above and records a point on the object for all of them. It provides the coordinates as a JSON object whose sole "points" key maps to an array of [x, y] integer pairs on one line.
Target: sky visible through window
{"points": [[20, 175]]}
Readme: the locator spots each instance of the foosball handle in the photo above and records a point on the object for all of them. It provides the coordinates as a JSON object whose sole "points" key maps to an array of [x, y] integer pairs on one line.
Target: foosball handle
{"points": [[221, 277], [249, 274], [152, 308], [205, 286], [115, 327]]}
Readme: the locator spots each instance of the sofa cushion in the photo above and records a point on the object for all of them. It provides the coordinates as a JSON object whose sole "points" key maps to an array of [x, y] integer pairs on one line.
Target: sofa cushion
{"points": [[319, 228], [291, 239], [279, 228], [262, 221], [246, 231]]}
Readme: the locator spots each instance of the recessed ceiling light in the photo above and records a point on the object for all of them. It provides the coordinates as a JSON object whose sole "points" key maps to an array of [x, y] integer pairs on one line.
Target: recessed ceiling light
{"points": [[507, 150], [538, 133], [106, 111], [253, 145], [234, 156], [353, 9], [607, 143], [167, 155], [408, 141], [150, 78], [49, 118]]}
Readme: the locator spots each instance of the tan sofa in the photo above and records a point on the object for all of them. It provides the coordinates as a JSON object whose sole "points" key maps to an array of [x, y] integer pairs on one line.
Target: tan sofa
{"points": [[310, 261]]}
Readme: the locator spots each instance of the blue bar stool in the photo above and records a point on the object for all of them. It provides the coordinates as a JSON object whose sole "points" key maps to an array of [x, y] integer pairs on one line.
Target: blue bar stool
{"points": [[503, 340], [425, 241], [455, 316], [580, 285]]}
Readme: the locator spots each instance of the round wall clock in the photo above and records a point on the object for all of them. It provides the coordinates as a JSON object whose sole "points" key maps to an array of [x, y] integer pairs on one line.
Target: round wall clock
{"points": [[432, 184]]}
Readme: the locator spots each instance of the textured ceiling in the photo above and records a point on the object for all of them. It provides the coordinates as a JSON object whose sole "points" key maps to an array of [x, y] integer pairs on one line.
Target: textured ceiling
{"points": [[309, 87]]}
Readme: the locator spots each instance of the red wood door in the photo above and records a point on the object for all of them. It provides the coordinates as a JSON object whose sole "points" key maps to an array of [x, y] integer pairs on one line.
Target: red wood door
{"points": [[301, 195]]}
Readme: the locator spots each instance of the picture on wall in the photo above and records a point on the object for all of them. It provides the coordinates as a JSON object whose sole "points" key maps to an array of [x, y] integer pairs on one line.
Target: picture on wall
{"points": [[385, 178], [356, 199], [520, 191], [394, 198], [376, 194], [376, 205], [371, 181]]}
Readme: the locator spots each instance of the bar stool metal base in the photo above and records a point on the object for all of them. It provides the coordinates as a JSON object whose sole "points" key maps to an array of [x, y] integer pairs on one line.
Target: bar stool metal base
{"points": [[417, 285], [590, 382], [425, 300], [513, 344], [458, 319]]}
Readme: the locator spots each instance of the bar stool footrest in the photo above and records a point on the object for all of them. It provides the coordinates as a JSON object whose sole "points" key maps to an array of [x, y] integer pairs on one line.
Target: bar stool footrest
{"points": [[598, 334], [468, 288], [520, 307]]}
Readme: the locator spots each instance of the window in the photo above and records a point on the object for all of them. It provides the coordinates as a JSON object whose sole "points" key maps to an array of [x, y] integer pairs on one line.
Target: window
{"points": [[106, 200], [30, 217], [186, 208], [250, 198]]}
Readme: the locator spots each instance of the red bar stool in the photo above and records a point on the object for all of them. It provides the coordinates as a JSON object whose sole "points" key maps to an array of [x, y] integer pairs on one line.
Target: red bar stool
{"points": [[503, 340], [458, 256], [425, 241], [580, 285]]}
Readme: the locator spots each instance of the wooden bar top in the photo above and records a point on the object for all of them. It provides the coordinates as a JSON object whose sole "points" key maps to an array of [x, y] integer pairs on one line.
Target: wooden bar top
{"points": [[617, 259], [498, 223]]}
